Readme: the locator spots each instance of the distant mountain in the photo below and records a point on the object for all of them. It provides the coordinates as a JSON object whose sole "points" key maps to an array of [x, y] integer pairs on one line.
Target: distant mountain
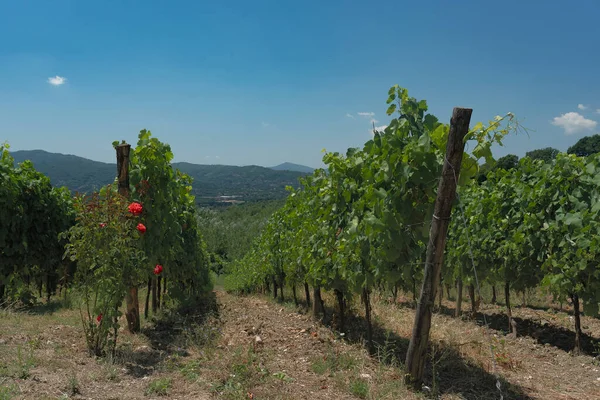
{"points": [[287, 166], [77, 173], [213, 184]]}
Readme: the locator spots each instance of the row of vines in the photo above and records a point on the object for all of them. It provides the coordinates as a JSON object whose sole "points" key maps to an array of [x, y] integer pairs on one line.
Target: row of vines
{"points": [[364, 222], [535, 224], [32, 214], [141, 230]]}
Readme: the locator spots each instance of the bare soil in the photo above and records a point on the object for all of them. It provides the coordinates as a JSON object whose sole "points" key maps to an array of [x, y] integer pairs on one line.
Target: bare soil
{"points": [[253, 347]]}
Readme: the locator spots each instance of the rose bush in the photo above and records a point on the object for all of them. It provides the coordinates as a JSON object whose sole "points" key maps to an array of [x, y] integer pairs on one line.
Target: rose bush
{"points": [[109, 261]]}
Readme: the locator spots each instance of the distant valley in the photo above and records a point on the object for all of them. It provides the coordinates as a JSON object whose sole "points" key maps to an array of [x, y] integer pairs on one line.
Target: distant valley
{"points": [[213, 184]]}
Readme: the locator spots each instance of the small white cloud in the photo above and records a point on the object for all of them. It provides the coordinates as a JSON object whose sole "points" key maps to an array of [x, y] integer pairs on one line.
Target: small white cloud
{"points": [[217, 157], [598, 111], [378, 129], [373, 121], [366, 114], [581, 107], [349, 115], [57, 80], [573, 122], [265, 124]]}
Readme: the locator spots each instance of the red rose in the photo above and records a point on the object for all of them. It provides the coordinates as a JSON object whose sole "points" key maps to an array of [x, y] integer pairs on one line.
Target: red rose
{"points": [[141, 228], [158, 269], [99, 318], [135, 208], [102, 225]]}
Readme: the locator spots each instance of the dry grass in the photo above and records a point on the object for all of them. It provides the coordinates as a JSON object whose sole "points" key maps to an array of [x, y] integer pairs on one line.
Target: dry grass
{"points": [[209, 352], [465, 356]]}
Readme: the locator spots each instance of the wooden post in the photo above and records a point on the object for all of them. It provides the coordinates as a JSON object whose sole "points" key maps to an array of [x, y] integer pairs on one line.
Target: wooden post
{"points": [[417, 349], [131, 299], [459, 290]]}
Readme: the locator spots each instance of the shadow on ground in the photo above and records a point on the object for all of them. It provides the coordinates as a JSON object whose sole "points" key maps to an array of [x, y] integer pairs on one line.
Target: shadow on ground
{"points": [[172, 333], [40, 308], [544, 333], [455, 375]]}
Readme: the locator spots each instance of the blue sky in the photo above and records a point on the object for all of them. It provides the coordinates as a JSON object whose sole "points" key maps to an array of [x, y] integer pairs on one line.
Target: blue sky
{"points": [[263, 82]]}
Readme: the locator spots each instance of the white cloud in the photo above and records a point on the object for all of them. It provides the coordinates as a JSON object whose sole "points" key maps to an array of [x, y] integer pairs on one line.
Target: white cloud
{"points": [[598, 111], [581, 107], [57, 80], [349, 115], [217, 157], [573, 122], [373, 121], [366, 114], [265, 124]]}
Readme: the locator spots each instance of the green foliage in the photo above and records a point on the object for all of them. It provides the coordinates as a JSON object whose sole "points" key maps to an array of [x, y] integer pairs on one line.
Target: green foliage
{"points": [[229, 232], [73, 385], [586, 146], [333, 362], [572, 232], [159, 387], [546, 154], [507, 162], [173, 238], [118, 242], [106, 245], [359, 388], [32, 215], [25, 361], [8, 392], [537, 223], [365, 221]]}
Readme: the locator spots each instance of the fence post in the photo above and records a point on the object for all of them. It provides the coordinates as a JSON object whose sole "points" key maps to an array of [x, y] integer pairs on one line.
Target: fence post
{"points": [[131, 299], [417, 349]]}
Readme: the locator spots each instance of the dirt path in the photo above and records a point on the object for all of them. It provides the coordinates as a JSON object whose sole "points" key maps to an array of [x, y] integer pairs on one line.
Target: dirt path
{"points": [[306, 359], [255, 348]]}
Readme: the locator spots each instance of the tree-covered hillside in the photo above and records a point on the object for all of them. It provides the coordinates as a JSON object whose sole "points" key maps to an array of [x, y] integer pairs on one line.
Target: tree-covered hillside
{"points": [[211, 182]]}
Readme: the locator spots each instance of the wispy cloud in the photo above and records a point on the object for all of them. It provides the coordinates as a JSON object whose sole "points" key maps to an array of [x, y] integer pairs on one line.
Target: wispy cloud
{"points": [[265, 124], [573, 122], [373, 121], [581, 107], [598, 111], [366, 114], [57, 80], [349, 115]]}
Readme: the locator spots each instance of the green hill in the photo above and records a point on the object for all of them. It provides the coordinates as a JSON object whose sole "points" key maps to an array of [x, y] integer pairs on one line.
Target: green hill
{"points": [[213, 184], [287, 166]]}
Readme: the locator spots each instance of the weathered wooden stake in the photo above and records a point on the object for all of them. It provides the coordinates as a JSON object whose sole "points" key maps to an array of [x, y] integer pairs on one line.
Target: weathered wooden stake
{"points": [[417, 349], [131, 299], [459, 290]]}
